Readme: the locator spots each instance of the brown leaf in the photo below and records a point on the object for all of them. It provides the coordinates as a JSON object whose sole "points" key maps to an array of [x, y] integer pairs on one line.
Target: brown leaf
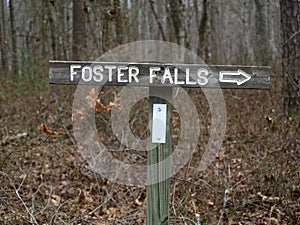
{"points": [[267, 198], [45, 129], [107, 108]]}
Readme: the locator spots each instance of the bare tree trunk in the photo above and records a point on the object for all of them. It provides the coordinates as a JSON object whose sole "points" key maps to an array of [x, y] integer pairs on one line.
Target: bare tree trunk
{"points": [[108, 15], [119, 27], [156, 16], [208, 29], [43, 26], [1, 41], [3, 37], [78, 29], [13, 38], [202, 31], [245, 32], [290, 20], [262, 50], [178, 12], [53, 35]]}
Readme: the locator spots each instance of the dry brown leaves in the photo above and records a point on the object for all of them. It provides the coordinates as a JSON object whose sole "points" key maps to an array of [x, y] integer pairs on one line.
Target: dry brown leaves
{"points": [[95, 103], [45, 129]]}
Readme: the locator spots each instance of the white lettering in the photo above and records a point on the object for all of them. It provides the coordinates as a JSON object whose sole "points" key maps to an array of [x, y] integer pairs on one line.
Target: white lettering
{"points": [[167, 75], [98, 75], [176, 77], [124, 74], [202, 76], [187, 77], [152, 73], [73, 72], [110, 71], [121, 74], [87, 70], [133, 72]]}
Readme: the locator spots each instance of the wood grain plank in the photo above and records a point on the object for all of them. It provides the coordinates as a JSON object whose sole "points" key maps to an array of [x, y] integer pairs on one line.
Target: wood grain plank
{"points": [[60, 73]]}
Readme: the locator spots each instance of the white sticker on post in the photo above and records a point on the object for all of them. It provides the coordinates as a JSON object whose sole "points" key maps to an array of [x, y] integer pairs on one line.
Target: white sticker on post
{"points": [[159, 123]]}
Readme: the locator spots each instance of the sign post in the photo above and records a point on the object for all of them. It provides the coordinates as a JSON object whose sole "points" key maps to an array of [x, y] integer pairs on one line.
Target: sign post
{"points": [[160, 78], [159, 151]]}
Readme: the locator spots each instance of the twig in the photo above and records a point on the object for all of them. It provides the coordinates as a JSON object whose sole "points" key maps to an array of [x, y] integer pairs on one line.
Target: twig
{"points": [[56, 213], [198, 219], [271, 211], [3, 174], [186, 218], [173, 199], [199, 179], [240, 181], [49, 199], [157, 21], [224, 206], [98, 207], [292, 37], [70, 135], [24, 204], [7, 140], [225, 197], [46, 106]]}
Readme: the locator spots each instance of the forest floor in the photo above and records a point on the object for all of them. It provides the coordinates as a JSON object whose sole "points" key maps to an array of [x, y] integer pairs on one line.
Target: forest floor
{"points": [[45, 180]]}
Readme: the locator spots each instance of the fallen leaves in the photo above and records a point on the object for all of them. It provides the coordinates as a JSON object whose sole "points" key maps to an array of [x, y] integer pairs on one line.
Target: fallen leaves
{"points": [[45, 129], [94, 102], [55, 200], [106, 108], [267, 198]]}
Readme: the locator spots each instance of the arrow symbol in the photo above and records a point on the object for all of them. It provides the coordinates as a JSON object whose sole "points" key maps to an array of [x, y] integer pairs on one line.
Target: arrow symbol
{"points": [[239, 77]]}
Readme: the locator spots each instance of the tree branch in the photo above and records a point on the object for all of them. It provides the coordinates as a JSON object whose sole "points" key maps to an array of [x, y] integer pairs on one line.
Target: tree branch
{"points": [[292, 37], [157, 21]]}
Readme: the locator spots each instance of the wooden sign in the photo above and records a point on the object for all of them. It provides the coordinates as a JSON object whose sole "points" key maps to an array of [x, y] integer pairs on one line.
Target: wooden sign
{"points": [[160, 78], [159, 75]]}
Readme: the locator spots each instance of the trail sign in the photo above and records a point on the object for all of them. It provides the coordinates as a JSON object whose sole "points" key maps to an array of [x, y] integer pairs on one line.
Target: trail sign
{"points": [[160, 78], [159, 75], [236, 77]]}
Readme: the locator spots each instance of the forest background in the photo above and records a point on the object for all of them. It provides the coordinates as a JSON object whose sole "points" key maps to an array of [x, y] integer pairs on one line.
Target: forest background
{"points": [[44, 179]]}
